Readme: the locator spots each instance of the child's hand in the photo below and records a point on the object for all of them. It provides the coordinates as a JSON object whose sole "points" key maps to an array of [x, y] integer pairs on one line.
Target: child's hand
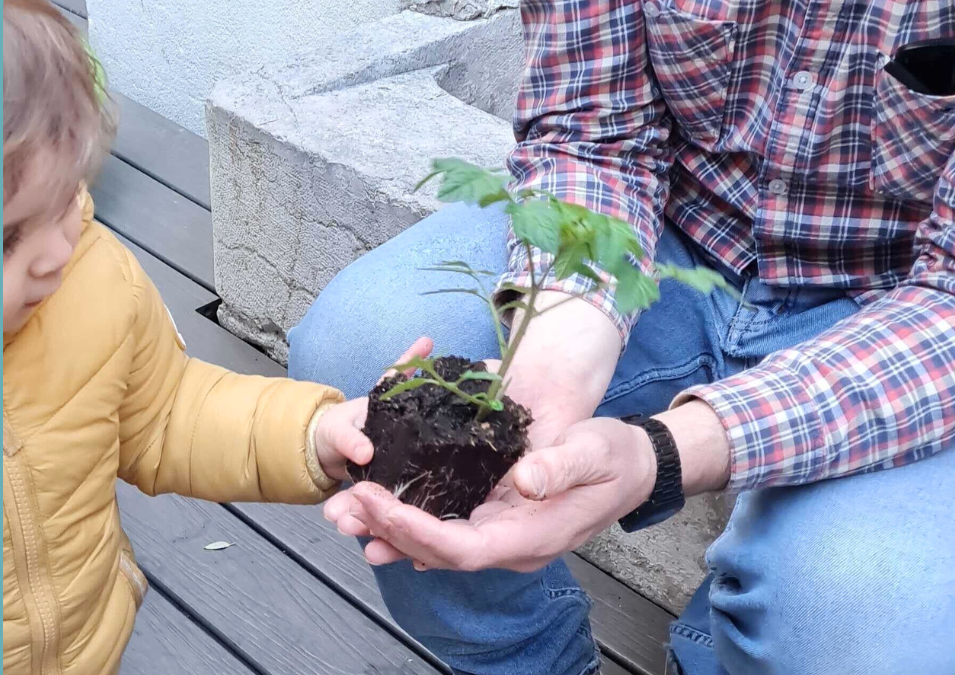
{"points": [[338, 436]]}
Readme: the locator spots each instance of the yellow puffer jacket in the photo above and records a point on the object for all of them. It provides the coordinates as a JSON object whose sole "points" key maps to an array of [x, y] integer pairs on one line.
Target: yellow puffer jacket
{"points": [[96, 386]]}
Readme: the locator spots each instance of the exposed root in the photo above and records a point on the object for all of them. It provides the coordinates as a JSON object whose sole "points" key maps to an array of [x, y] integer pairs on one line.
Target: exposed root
{"points": [[401, 489]]}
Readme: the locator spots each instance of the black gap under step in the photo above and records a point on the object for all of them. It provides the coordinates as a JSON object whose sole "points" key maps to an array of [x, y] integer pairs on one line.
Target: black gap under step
{"points": [[210, 311]]}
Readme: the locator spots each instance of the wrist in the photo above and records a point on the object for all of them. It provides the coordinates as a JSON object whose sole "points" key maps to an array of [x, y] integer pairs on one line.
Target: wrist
{"points": [[572, 344], [662, 495], [644, 472], [314, 450], [702, 444]]}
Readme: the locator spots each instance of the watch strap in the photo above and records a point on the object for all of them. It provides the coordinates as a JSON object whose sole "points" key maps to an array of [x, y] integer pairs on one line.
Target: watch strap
{"points": [[667, 497]]}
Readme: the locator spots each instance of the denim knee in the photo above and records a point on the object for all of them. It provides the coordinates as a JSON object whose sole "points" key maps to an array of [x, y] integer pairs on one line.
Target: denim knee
{"points": [[373, 310], [855, 575]]}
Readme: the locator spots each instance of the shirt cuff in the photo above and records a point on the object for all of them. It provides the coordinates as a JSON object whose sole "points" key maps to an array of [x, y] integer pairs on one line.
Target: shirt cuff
{"points": [[767, 414]]}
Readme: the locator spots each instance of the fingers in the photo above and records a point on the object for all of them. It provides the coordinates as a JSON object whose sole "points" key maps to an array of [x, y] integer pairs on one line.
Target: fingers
{"points": [[421, 348], [380, 552], [521, 538], [545, 473], [339, 506], [418, 534], [352, 527], [338, 437]]}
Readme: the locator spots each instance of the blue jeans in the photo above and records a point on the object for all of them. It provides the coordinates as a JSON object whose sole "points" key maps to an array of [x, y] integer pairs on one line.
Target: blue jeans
{"points": [[855, 575]]}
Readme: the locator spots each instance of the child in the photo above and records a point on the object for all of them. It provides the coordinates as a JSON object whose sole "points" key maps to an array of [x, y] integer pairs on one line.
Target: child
{"points": [[96, 385]]}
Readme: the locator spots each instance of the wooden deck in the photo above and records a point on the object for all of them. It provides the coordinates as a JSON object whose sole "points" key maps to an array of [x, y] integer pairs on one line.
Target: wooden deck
{"points": [[291, 597]]}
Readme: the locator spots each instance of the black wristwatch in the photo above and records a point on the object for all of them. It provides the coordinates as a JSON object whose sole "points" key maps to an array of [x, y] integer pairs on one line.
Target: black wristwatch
{"points": [[667, 497]]}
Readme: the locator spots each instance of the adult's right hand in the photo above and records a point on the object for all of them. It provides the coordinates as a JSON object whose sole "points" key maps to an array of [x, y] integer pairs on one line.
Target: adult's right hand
{"points": [[560, 372], [563, 496]]}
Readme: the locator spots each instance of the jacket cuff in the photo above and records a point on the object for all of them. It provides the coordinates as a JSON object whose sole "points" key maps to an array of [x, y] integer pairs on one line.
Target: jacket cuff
{"points": [[322, 481]]}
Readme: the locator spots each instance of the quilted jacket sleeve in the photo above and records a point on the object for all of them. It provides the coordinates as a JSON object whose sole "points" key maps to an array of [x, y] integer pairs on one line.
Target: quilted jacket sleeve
{"points": [[199, 430]]}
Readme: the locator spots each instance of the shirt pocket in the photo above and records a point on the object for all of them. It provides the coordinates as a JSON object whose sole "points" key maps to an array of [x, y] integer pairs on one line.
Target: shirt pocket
{"points": [[692, 60], [913, 136]]}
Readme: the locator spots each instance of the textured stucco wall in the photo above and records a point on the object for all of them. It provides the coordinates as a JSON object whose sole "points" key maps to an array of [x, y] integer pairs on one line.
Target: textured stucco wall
{"points": [[168, 54]]}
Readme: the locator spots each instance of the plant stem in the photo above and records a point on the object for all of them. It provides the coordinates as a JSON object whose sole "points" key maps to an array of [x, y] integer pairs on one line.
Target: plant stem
{"points": [[457, 391], [495, 315], [496, 390]]}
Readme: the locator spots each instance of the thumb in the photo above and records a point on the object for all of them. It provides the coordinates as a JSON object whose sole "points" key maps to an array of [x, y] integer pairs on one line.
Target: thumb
{"points": [[338, 437], [548, 472]]}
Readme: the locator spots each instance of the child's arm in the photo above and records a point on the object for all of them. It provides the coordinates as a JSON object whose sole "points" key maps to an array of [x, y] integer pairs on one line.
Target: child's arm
{"points": [[199, 430]]}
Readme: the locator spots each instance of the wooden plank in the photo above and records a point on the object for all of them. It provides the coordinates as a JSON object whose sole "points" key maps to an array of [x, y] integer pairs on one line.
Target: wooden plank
{"points": [[76, 7], [167, 641], [204, 339], [76, 20], [279, 617], [171, 227], [174, 156], [608, 667], [629, 628]]}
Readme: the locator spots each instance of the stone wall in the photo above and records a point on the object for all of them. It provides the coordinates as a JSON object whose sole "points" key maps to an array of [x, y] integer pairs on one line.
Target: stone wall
{"points": [[314, 162], [168, 54]]}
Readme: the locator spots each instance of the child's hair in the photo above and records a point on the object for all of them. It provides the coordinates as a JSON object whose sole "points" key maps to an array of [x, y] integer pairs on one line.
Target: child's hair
{"points": [[52, 100]]}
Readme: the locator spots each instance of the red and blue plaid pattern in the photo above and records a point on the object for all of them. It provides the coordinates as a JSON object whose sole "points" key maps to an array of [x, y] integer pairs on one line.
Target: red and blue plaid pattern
{"points": [[769, 133]]}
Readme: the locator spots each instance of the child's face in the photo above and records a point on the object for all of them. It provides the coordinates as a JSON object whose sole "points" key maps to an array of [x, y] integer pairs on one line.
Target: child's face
{"points": [[38, 241]]}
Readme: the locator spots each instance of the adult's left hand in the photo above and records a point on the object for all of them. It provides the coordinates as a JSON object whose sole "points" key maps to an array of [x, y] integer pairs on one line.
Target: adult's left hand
{"points": [[555, 500]]}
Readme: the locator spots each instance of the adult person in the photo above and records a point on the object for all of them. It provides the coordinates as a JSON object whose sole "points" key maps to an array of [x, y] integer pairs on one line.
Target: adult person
{"points": [[770, 141]]}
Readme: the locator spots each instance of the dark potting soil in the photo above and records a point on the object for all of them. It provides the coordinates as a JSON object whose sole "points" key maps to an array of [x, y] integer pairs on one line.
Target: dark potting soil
{"points": [[430, 451]]}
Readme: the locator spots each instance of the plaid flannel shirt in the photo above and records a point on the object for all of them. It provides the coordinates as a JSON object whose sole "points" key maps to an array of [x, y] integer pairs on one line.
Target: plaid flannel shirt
{"points": [[769, 133]]}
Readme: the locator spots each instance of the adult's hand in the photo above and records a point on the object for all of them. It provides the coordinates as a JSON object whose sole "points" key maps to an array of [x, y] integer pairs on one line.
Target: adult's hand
{"points": [[562, 496], [560, 372]]}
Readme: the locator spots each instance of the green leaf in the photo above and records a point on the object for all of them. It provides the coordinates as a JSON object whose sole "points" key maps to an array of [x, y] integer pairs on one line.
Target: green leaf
{"points": [[217, 545], [573, 213], [441, 291], [537, 223], [615, 240], [407, 385], [495, 405], [569, 261], [703, 279], [635, 290], [478, 375], [500, 196], [464, 182], [416, 363]]}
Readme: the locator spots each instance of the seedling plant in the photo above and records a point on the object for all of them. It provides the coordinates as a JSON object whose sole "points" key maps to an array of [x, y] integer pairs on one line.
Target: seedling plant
{"points": [[445, 436]]}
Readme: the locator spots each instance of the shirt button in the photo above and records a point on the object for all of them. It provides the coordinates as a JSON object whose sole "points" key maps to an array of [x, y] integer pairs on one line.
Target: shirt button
{"points": [[803, 80], [778, 186], [651, 10]]}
